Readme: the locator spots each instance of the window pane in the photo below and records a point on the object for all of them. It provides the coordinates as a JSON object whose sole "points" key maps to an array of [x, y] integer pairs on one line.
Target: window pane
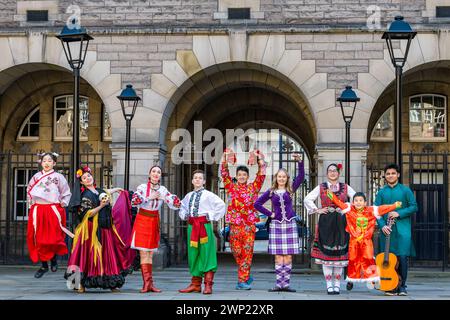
{"points": [[64, 123], [384, 127], [35, 117], [107, 131], [21, 210], [61, 103], [415, 103], [34, 130], [21, 193], [427, 102], [21, 177], [439, 102]]}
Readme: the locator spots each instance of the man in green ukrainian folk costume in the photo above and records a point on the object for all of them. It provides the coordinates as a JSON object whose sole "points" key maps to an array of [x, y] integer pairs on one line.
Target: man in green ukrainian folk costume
{"points": [[400, 234], [200, 207]]}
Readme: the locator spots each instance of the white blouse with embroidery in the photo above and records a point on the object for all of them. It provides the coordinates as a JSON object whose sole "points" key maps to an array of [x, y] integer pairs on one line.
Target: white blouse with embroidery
{"points": [[141, 200], [51, 187], [210, 205]]}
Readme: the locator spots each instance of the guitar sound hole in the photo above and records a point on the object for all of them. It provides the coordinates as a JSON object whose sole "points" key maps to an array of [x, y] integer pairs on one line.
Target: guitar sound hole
{"points": [[385, 264]]}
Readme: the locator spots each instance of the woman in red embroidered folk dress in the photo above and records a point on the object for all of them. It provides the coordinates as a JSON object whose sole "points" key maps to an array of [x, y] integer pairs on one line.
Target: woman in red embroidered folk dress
{"points": [[145, 236], [48, 193]]}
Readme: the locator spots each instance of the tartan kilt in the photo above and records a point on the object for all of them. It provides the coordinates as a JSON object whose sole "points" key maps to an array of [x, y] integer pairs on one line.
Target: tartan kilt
{"points": [[283, 237]]}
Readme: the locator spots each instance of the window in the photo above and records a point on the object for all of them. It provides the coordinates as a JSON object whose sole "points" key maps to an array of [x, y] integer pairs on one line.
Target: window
{"points": [[21, 179], [384, 128], [106, 125], [238, 13], [37, 15], [442, 12], [29, 130], [428, 118], [63, 117]]}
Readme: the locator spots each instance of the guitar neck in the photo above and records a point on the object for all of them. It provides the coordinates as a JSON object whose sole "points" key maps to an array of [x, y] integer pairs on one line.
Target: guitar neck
{"points": [[387, 246]]}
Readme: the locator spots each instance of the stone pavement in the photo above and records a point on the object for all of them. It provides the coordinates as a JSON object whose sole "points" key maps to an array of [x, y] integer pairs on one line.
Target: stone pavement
{"points": [[18, 283]]}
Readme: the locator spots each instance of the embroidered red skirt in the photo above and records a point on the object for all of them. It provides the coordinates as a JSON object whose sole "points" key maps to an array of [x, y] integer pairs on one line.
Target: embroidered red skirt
{"points": [[45, 238], [146, 231]]}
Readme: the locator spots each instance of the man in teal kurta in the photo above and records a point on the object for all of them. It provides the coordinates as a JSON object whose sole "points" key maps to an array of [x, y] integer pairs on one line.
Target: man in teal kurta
{"points": [[401, 241]]}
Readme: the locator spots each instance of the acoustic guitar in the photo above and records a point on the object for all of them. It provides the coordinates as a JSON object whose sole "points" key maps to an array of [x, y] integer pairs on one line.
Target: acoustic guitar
{"points": [[387, 265]]}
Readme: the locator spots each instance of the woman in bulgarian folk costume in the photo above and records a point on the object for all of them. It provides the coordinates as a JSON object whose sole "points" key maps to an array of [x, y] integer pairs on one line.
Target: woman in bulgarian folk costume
{"points": [[149, 197], [48, 194], [330, 247], [283, 233], [100, 256]]}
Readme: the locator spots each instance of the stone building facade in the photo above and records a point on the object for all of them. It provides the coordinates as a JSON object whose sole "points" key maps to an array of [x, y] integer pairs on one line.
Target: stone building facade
{"points": [[231, 63]]}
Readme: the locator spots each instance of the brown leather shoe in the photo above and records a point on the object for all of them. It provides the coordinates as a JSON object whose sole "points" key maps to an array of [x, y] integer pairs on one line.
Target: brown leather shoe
{"points": [[209, 277], [195, 286]]}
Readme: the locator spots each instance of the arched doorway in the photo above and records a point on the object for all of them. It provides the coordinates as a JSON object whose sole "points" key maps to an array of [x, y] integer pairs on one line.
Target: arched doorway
{"points": [[36, 115], [234, 96], [425, 130]]}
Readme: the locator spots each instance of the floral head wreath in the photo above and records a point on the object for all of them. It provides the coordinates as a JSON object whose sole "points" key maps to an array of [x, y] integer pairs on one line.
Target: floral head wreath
{"points": [[83, 170]]}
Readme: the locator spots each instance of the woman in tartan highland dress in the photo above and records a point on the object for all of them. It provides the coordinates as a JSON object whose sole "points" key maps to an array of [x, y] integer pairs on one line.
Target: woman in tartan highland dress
{"points": [[283, 234]]}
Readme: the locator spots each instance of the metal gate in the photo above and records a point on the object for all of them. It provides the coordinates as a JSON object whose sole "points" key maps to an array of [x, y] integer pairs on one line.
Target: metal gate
{"points": [[427, 176], [177, 178], [16, 169]]}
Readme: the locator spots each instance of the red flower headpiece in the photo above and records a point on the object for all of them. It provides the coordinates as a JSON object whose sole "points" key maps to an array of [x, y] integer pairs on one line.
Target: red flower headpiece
{"points": [[339, 166], [83, 170]]}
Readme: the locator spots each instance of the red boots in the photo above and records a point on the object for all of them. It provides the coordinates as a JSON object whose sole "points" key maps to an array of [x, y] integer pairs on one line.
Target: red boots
{"points": [[147, 277], [195, 286], [209, 277]]}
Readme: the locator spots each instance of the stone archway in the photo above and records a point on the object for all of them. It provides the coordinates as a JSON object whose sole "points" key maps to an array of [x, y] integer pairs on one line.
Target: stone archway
{"points": [[37, 51]]}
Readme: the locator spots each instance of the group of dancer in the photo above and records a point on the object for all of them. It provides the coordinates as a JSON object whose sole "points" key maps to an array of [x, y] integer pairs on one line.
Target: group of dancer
{"points": [[105, 240]]}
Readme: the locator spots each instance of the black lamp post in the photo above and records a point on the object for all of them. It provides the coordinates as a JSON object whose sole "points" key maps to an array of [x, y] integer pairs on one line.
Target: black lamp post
{"points": [[75, 42], [128, 101], [399, 30], [348, 97]]}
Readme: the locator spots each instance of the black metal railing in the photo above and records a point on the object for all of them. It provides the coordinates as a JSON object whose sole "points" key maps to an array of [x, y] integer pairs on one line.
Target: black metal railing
{"points": [[426, 174]]}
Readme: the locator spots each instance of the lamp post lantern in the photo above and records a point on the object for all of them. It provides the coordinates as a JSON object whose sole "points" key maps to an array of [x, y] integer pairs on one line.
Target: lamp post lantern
{"points": [[398, 30], [75, 42], [347, 102], [128, 101]]}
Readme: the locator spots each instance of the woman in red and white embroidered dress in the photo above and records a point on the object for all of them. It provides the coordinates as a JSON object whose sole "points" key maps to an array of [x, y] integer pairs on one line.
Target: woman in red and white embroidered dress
{"points": [[48, 193], [149, 197]]}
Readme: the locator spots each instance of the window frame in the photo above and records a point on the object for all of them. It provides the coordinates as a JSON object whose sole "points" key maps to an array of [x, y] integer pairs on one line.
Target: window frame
{"points": [[428, 139], [26, 123], [66, 139], [29, 173]]}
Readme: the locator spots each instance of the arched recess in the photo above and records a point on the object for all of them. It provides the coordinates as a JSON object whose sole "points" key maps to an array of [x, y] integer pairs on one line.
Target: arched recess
{"points": [[227, 91], [428, 78], [24, 87]]}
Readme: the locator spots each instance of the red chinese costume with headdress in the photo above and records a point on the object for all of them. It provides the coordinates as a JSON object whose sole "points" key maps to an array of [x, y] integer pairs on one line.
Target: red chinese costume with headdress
{"points": [[361, 225], [48, 192]]}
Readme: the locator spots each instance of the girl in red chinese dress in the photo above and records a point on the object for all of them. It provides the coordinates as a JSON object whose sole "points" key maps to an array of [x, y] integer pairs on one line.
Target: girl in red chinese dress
{"points": [[361, 220], [48, 194], [149, 197]]}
